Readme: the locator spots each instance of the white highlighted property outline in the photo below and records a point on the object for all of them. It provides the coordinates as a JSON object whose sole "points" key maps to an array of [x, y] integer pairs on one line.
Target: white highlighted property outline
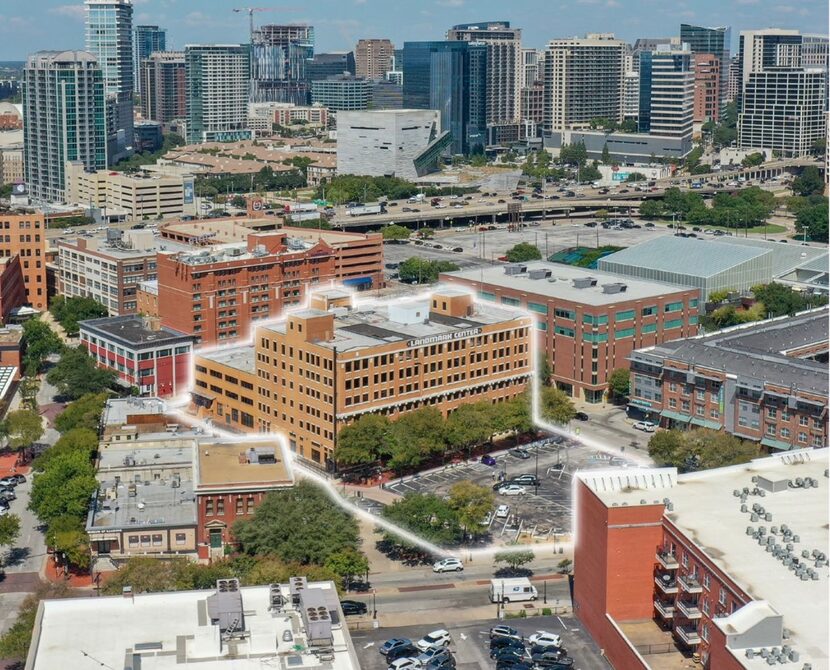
{"points": [[292, 464]]}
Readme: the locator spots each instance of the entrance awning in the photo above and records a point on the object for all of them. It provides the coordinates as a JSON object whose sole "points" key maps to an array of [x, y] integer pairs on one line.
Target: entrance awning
{"points": [[357, 281], [675, 416], [640, 404], [776, 444], [703, 423]]}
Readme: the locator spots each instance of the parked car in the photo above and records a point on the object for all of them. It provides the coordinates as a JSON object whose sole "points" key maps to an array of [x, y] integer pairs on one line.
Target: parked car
{"points": [[518, 452], [542, 638], [440, 664], [9, 482], [513, 665], [8, 496], [437, 638], [497, 643], [505, 631], [502, 511], [512, 490], [645, 426], [19, 479], [581, 416], [407, 651], [405, 663], [487, 459], [353, 607], [551, 658], [511, 653], [448, 565], [525, 480], [439, 654], [394, 643]]}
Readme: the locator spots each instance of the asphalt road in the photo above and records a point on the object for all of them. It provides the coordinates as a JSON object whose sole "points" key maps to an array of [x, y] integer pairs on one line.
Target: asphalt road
{"points": [[470, 641]]}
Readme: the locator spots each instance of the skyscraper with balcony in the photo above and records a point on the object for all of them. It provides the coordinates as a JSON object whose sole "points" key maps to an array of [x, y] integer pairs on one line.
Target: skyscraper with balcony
{"points": [[584, 80], [163, 86], [672, 92], [714, 41], [147, 40], [217, 77], [109, 37], [503, 67], [373, 58], [64, 119], [452, 78]]}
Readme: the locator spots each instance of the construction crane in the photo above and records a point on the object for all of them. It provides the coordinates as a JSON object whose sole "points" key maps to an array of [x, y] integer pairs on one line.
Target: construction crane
{"points": [[251, 10]]}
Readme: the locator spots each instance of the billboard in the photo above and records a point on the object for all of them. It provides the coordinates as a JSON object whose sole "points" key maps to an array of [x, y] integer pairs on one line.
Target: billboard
{"points": [[188, 193]]}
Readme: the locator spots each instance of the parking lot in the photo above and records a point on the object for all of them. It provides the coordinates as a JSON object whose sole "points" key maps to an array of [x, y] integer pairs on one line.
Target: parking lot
{"points": [[471, 643], [542, 513]]}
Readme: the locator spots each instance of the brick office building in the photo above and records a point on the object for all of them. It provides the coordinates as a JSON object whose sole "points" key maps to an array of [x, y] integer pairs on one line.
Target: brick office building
{"points": [[12, 286], [765, 382], [24, 235], [589, 322], [218, 294], [141, 352], [707, 95], [318, 369], [719, 564]]}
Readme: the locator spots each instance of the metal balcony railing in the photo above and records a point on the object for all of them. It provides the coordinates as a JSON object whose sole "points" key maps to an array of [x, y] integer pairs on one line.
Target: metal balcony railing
{"points": [[688, 634], [690, 610], [667, 560], [689, 584], [664, 609], [666, 583]]}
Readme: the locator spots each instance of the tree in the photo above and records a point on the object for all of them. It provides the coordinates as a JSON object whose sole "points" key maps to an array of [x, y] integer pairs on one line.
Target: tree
{"points": [[700, 449], [564, 566], [9, 529], [590, 173], [76, 374], [471, 503], [23, 427], [428, 516], [300, 524], [64, 488], [719, 296], [664, 445], [619, 383], [348, 563], [651, 209], [69, 311], [363, 441], [395, 232], [66, 535], [545, 370], [556, 405], [421, 271], [575, 154], [39, 341], [522, 252], [77, 440], [415, 436], [239, 202], [819, 147], [469, 425], [606, 155], [813, 221], [809, 182], [29, 387], [635, 176], [515, 559], [85, 412], [779, 299], [753, 159]]}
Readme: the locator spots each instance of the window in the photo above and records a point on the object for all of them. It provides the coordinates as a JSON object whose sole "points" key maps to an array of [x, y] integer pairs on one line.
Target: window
{"points": [[672, 403], [722, 596], [567, 332], [674, 323], [684, 559], [595, 337], [484, 295], [694, 302], [704, 632], [132, 541], [564, 314], [785, 432], [156, 540], [542, 325], [145, 540], [772, 412], [700, 394], [209, 507], [162, 353], [181, 538], [803, 420], [509, 301], [627, 315], [802, 437], [182, 350], [537, 307], [771, 429], [693, 320], [673, 307], [624, 332], [649, 328], [649, 311], [595, 319], [706, 580]]}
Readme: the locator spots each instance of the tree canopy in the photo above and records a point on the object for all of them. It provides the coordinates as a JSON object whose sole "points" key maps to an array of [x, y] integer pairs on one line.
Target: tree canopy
{"points": [[76, 374], [515, 559], [300, 524], [9, 529], [809, 182], [39, 341], [523, 251], [556, 405], [700, 449], [64, 487], [423, 271], [471, 503], [812, 219], [428, 516], [22, 427], [395, 232], [70, 311], [85, 412], [618, 382]]}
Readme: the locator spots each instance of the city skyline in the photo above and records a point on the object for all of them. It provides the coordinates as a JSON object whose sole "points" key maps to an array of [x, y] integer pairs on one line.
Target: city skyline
{"points": [[339, 26]]}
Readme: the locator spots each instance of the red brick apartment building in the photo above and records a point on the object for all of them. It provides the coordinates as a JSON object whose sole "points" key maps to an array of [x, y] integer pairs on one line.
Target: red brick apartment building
{"points": [[217, 294], [588, 321], [765, 382], [707, 92], [316, 370], [726, 567], [12, 286], [24, 235]]}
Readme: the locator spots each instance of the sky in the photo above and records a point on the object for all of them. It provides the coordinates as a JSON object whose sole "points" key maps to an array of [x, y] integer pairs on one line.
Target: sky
{"points": [[31, 25]]}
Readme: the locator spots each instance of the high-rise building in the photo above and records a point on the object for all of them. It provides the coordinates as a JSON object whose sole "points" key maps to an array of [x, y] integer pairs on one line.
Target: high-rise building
{"points": [[326, 65], [782, 103], [529, 72], [25, 238], [146, 40], [708, 81], [631, 95], [814, 51], [217, 92], [714, 41], [279, 54], [647, 44], [373, 58], [672, 92], [733, 86], [503, 69], [163, 86], [57, 85], [452, 78], [109, 37], [386, 95], [584, 80], [342, 92]]}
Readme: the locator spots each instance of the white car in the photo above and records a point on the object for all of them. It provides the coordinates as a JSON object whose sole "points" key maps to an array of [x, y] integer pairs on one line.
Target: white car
{"points": [[437, 638], [512, 490], [448, 565], [645, 426], [406, 663], [502, 511], [543, 639]]}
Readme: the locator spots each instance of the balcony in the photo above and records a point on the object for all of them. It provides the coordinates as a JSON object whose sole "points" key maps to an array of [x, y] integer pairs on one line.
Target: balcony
{"points": [[689, 584], [666, 583], [664, 609], [690, 610], [667, 560], [688, 634]]}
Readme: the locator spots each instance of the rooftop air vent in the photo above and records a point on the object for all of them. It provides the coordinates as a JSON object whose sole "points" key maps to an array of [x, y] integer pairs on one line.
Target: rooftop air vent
{"points": [[583, 282]]}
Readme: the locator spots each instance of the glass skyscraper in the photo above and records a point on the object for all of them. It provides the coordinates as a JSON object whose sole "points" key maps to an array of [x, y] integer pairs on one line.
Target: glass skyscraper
{"points": [[450, 77], [715, 41], [109, 37], [148, 39]]}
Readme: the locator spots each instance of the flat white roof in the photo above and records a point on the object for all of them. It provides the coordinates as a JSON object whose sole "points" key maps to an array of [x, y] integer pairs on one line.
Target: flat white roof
{"points": [[171, 629], [707, 511]]}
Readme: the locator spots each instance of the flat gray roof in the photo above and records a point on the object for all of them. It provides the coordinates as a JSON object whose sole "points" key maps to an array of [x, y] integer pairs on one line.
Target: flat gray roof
{"points": [[156, 504], [239, 358], [563, 288], [117, 409]]}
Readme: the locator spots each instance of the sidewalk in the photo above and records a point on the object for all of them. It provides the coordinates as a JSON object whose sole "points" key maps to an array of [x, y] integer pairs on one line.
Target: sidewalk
{"points": [[58, 328]]}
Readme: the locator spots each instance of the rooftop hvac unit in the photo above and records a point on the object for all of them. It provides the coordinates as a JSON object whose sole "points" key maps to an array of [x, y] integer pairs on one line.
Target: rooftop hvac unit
{"points": [[583, 282], [615, 287], [514, 269], [538, 273], [314, 611]]}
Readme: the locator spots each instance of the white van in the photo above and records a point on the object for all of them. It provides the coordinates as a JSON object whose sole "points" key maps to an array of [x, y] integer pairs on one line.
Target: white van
{"points": [[513, 590]]}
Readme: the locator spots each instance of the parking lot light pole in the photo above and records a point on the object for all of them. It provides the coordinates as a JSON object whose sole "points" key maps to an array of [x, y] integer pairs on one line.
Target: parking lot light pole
{"points": [[374, 605], [545, 584]]}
